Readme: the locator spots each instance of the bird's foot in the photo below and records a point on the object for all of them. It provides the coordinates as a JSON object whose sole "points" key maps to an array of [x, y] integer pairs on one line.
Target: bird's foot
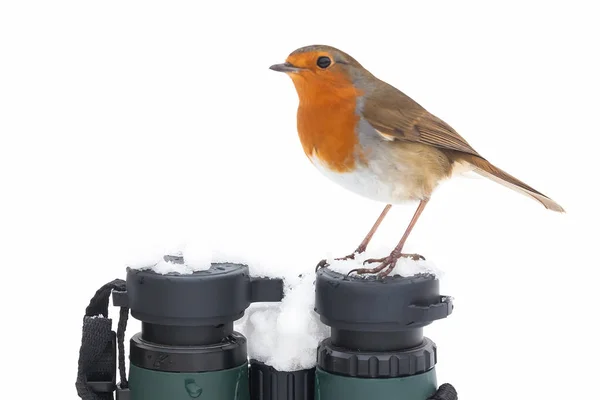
{"points": [[323, 263], [386, 265]]}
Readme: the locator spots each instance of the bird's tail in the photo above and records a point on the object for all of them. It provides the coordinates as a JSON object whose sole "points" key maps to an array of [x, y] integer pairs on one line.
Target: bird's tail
{"points": [[485, 168]]}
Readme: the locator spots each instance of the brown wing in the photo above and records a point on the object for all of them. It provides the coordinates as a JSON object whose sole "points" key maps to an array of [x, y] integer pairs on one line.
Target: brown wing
{"points": [[396, 116]]}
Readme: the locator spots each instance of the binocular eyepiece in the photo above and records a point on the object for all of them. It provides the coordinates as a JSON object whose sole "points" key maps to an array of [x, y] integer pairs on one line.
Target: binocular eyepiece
{"points": [[188, 348], [377, 347]]}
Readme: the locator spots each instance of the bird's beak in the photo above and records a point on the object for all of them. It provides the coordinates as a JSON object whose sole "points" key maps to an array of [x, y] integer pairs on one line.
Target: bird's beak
{"points": [[286, 67]]}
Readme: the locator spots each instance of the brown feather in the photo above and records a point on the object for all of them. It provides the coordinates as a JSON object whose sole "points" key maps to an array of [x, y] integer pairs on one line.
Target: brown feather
{"points": [[396, 116], [393, 113], [485, 168], [426, 144]]}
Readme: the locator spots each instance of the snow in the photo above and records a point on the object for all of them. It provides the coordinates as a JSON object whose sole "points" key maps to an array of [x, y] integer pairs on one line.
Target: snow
{"points": [[404, 266], [133, 138], [195, 258], [285, 334]]}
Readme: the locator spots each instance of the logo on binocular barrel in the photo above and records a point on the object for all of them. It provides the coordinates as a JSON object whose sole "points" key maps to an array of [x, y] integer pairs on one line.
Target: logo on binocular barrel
{"points": [[193, 390], [161, 359]]}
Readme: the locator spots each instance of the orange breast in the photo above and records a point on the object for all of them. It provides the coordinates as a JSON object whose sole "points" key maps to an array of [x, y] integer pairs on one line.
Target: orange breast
{"points": [[327, 124]]}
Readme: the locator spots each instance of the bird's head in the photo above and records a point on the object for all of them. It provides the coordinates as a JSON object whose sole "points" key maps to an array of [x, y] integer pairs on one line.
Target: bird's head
{"points": [[320, 72]]}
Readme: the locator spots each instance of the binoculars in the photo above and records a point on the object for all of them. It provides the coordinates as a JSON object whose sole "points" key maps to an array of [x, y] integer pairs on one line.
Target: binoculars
{"points": [[188, 348]]}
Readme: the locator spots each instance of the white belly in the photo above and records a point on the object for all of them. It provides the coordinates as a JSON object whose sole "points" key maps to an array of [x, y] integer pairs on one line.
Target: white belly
{"points": [[372, 182]]}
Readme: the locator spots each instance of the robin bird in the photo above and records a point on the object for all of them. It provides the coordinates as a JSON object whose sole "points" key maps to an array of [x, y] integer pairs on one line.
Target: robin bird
{"points": [[374, 140]]}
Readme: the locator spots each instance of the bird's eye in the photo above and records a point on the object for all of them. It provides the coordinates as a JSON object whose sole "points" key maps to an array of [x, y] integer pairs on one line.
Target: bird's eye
{"points": [[324, 62]]}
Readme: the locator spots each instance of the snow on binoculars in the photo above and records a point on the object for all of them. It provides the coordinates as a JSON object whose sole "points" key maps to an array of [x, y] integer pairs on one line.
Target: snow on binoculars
{"points": [[188, 348]]}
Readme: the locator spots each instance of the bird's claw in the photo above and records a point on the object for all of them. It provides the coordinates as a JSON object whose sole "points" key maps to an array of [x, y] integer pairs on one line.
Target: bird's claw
{"points": [[322, 264], [373, 260], [348, 257], [416, 256], [386, 265], [412, 256]]}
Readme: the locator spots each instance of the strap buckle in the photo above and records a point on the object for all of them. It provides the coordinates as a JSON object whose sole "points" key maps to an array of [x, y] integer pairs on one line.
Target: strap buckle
{"points": [[103, 378], [123, 393]]}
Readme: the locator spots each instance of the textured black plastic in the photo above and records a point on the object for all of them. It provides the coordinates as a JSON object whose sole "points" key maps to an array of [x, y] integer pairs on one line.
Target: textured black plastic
{"points": [[392, 304], [228, 353], [445, 392], [377, 341], [365, 364], [377, 324], [187, 319], [120, 299], [215, 296], [265, 289], [267, 383], [123, 393], [185, 335]]}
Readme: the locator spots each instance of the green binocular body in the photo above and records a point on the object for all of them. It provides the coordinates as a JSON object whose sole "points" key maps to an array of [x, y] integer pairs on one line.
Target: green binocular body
{"points": [[188, 348], [234, 384]]}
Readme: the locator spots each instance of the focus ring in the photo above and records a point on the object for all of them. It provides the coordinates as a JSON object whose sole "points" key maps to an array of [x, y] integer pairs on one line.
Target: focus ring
{"points": [[340, 361]]}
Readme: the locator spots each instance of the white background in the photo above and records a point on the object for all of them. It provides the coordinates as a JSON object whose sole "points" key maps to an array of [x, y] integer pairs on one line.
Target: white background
{"points": [[133, 124]]}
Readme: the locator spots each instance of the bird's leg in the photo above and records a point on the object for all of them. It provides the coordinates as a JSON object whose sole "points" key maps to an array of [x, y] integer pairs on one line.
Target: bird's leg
{"points": [[363, 245], [388, 263]]}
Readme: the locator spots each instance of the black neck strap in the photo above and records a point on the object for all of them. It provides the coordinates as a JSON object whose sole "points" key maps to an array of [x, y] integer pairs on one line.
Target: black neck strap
{"points": [[96, 371]]}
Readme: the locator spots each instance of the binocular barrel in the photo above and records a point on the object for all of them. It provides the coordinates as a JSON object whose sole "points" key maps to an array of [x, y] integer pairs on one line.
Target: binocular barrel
{"points": [[188, 348], [377, 347]]}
